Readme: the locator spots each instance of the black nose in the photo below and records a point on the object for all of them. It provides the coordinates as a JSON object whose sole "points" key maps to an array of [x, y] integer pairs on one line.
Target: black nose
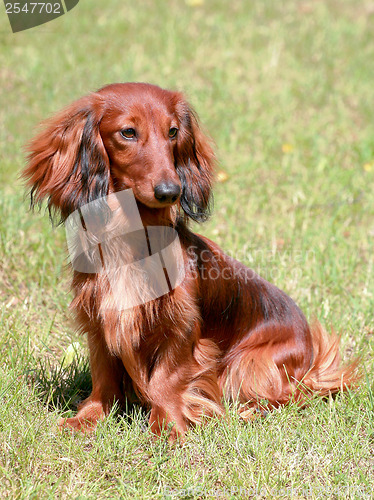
{"points": [[167, 192]]}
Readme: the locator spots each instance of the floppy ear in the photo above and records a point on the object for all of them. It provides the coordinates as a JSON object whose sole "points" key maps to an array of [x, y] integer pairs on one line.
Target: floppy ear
{"points": [[67, 161], [194, 160]]}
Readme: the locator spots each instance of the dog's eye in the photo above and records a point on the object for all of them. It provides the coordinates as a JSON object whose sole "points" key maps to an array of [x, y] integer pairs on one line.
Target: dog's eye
{"points": [[173, 132], [128, 133]]}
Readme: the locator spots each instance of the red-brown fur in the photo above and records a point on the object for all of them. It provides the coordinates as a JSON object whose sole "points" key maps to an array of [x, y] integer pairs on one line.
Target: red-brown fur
{"points": [[225, 331]]}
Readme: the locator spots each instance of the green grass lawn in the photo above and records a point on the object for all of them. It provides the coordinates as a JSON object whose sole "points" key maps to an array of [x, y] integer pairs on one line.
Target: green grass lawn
{"points": [[286, 91]]}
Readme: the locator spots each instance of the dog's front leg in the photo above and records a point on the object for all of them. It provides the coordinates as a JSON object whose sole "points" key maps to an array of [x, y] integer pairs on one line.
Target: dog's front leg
{"points": [[183, 389], [165, 393], [107, 372]]}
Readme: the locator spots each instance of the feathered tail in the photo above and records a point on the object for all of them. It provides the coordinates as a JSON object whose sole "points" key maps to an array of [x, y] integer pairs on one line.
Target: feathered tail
{"points": [[254, 379], [328, 375]]}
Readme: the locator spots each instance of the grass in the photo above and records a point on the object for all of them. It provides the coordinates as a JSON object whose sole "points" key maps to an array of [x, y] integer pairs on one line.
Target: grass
{"points": [[285, 90]]}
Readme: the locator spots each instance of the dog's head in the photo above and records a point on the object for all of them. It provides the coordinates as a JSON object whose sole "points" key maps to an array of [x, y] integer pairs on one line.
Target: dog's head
{"points": [[129, 135]]}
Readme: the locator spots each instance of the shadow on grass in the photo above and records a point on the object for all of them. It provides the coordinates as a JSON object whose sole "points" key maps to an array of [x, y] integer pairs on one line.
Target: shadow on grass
{"points": [[63, 388]]}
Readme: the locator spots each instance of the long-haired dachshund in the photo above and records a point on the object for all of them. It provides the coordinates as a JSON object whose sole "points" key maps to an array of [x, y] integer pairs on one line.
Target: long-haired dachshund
{"points": [[223, 332]]}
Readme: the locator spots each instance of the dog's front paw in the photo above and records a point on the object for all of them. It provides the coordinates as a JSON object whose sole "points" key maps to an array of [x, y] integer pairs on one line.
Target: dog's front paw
{"points": [[86, 419], [77, 424]]}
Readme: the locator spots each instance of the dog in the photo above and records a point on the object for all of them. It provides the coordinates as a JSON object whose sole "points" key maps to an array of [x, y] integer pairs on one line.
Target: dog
{"points": [[223, 333]]}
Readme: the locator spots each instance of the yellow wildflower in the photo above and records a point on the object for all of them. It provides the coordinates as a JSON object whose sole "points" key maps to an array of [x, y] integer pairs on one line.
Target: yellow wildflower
{"points": [[287, 148], [222, 176]]}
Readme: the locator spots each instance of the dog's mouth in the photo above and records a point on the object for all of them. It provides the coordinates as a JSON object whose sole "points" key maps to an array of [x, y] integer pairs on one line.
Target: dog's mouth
{"points": [[156, 204], [160, 200], [155, 213]]}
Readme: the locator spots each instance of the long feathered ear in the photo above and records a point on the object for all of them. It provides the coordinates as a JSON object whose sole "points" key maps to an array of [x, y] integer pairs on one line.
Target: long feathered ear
{"points": [[67, 161], [194, 160]]}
